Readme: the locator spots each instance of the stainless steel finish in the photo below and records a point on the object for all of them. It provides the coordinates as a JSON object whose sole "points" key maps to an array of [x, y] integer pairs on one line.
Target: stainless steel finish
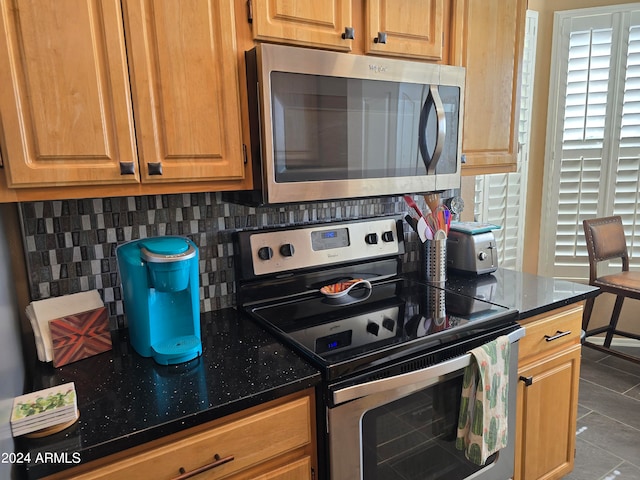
{"points": [[418, 379], [476, 254], [318, 62], [305, 256], [159, 258], [345, 420], [442, 130], [435, 252]]}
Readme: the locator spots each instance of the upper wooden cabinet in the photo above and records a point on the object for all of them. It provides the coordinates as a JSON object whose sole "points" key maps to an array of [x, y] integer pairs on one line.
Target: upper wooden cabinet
{"points": [[185, 89], [78, 75], [487, 39], [65, 106], [312, 23], [411, 28]]}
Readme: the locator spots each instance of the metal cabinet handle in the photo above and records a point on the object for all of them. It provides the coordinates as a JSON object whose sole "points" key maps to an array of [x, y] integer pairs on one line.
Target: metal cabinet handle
{"points": [[381, 38], [127, 168], [217, 461], [423, 377], [527, 380], [558, 335], [349, 33]]}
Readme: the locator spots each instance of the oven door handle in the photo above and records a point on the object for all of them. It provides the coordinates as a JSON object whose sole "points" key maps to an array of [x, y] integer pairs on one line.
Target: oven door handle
{"points": [[428, 375]]}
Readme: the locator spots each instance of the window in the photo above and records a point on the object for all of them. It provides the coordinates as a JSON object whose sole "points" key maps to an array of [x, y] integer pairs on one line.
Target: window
{"points": [[500, 198], [592, 161]]}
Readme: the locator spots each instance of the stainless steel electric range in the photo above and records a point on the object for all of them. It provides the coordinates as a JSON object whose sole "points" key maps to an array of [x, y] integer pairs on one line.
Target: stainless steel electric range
{"points": [[391, 350]]}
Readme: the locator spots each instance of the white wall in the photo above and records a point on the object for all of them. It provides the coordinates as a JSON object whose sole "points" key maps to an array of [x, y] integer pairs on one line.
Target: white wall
{"points": [[12, 369]]}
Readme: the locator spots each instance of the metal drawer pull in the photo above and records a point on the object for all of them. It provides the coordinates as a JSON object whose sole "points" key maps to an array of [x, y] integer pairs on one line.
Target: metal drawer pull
{"points": [[527, 380], [556, 336], [216, 463]]}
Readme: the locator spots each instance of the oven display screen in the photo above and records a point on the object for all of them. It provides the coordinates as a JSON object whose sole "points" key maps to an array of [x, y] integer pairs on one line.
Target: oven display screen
{"points": [[328, 239], [333, 342]]}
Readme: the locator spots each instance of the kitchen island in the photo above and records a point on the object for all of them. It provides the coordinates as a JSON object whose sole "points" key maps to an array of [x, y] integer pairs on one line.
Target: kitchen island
{"points": [[127, 402]]}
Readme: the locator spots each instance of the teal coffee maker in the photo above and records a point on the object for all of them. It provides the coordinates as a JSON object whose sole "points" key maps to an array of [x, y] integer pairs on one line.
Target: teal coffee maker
{"points": [[160, 288]]}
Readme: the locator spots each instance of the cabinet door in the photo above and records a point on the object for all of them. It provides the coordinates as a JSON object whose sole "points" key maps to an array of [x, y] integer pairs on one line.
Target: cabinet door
{"points": [[65, 106], [298, 470], [547, 410], [185, 89], [412, 28], [315, 23], [488, 41]]}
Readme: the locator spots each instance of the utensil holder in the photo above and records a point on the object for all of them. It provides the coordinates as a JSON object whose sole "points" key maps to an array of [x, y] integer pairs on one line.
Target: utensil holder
{"points": [[435, 256]]}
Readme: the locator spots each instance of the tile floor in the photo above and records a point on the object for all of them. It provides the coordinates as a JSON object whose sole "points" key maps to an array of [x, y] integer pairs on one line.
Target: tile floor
{"points": [[608, 433]]}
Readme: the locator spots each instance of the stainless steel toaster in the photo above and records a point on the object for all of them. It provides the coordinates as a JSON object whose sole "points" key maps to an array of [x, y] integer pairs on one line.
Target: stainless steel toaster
{"points": [[471, 254]]}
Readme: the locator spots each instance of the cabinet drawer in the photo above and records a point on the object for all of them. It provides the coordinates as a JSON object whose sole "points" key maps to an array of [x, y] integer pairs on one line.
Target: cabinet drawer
{"points": [[250, 441], [298, 470], [550, 332]]}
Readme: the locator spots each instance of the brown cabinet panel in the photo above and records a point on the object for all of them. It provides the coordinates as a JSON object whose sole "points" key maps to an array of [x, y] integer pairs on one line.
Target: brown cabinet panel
{"points": [[549, 373], [186, 89], [413, 28], [271, 442], [489, 38], [65, 105], [315, 23]]}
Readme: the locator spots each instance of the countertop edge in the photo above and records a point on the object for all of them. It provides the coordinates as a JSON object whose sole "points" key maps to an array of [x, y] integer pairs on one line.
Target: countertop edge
{"points": [[43, 469]]}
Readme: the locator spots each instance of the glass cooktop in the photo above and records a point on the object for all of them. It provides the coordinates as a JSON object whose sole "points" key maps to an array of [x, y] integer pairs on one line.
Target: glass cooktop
{"points": [[367, 327]]}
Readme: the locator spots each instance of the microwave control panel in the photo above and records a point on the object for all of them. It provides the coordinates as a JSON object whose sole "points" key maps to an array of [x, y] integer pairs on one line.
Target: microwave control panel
{"points": [[319, 245]]}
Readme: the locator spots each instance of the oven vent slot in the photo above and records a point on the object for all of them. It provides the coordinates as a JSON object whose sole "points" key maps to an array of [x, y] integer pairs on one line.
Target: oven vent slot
{"points": [[420, 363]]}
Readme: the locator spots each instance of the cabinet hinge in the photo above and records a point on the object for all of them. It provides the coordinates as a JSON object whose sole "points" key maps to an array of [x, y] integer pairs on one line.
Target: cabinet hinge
{"points": [[249, 11], [244, 153], [313, 473]]}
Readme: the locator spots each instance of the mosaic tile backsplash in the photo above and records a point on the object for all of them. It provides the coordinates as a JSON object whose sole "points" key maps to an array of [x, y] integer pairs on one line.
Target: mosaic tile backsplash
{"points": [[70, 245]]}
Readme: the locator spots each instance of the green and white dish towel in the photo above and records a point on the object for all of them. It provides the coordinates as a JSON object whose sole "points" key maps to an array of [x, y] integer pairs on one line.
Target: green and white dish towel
{"points": [[482, 424]]}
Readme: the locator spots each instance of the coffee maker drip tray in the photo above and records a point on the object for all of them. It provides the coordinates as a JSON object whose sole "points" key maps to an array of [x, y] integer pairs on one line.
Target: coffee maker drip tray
{"points": [[176, 350]]}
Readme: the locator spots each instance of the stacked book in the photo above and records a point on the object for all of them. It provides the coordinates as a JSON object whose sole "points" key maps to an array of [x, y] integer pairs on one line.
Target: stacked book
{"points": [[48, 410]]}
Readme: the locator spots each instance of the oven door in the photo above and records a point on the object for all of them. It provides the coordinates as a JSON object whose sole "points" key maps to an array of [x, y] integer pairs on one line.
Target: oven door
{"points": [[405, 427]]}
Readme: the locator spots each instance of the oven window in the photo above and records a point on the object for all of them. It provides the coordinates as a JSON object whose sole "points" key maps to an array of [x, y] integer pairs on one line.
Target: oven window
{"points": [[333, 128], [413, 438]]}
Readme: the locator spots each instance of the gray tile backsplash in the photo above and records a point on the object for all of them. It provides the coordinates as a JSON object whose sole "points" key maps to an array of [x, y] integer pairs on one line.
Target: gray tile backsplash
{"points": [[70, 244]]}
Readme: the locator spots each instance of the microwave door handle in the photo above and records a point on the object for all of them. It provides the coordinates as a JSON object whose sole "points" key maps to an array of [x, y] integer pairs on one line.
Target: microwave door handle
{"points": [[433, 99], [425, 377]]}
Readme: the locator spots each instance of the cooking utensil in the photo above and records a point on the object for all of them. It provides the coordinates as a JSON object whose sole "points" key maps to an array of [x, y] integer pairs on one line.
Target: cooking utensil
{"points": [[413, 205], [432, 200]]}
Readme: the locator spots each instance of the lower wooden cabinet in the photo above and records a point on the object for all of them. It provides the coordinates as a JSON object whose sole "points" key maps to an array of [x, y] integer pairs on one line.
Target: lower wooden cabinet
{"points": [[271, 442], [549, 373]]}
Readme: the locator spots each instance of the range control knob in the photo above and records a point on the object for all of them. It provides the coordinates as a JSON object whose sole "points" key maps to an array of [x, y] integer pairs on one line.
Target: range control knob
{"points": [[387, 236], [373, 328], [287, 250], [482, 256], [389, 324], [265, 253], [371, 238]]}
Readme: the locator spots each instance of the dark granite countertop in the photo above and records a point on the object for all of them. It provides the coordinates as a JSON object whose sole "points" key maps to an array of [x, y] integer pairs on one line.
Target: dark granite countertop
{"points": [[126, 400], [529, 294]]}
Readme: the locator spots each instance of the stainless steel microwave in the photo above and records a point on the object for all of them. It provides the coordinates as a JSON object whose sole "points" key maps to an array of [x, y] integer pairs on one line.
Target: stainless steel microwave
{"points": [[327, 125]]}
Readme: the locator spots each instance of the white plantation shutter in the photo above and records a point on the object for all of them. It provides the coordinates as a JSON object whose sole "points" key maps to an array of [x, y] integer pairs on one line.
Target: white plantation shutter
{"points": [[500, 198], [627, 181], [593, 141]]}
